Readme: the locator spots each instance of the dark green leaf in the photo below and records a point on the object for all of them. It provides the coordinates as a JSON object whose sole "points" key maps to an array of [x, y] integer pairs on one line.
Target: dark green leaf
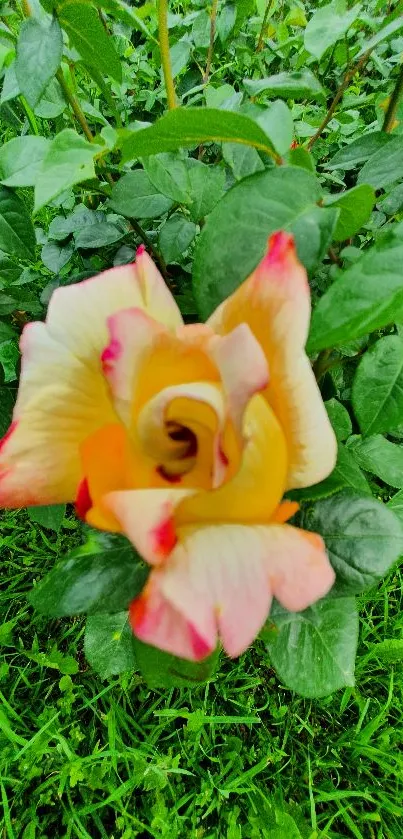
{"points": [[88, 36], [69, 160], [206, 186], [6, 332], [314, 651], [162, 670], [9, 359], [21, 160], [99, 234], [393, 202], [104, 575], [188, 127], [135, 196], [169, 174], [17, 235], [55, 256], [378, 387], [226, 21], [284, 198], [243, 160], [363, 539], [7, 399], [382, 35], [61, 227], [175, 237], [367, 296], [108, 644], [51, 516], [359, 151], [39, 52], [385, 166], [9, 270], [327, 25], [382, 458], [346, 474], [355, 205], [301, 84], [340, 419]]}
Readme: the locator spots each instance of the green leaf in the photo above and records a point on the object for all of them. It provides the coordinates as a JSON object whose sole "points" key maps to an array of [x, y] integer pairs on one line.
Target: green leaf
{"points": [[9, 360], [9, 270], [55, 256], [363, 539], [389, 651], [188, 127], [385, 166], [108, 644], [61, 227], [284, 198], [206, 186], [356, 206], [6, 332], [382, 35], [104, 575], [162, 670], [393, 202], [201, 30], [346, 474], [301, 84], [17, 235], [396, 504], [340, 419], [180, 54], [378, 387], [243, 160], [278, 124], [359, 151], [382, 458], [10, 88], [226, 22], [313, 652], [7, 399], [327, 25], [21, 160], [69, 160], [169, 174], [175, 237], [135, 196], [88, 36], [39, 53], [368, 296], [50, 516], [98, 235], [52, 103]]}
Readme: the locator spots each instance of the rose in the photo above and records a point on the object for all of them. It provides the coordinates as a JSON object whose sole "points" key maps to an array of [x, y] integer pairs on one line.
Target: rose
{"points": [[183, 437]]}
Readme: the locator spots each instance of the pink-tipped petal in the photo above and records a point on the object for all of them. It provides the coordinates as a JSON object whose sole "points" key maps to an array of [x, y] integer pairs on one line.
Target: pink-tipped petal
{"points": [[147, 518], [299, 569], [275, 303], [155, 621]]}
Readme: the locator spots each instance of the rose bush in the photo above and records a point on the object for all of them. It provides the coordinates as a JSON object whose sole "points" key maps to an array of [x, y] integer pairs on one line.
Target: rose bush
{"points": [[183, 437]]}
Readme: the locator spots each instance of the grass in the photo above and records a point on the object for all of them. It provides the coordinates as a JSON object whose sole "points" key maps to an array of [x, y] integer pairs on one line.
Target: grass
{"points": [[85, 758]]}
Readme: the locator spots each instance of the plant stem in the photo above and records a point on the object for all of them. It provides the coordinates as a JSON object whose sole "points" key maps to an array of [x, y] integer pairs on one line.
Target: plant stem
{"points": [[393, 103], [213, 19], [346, 81], [30, 115], [165, 54], [74, 105], [157, 257], [263, 27], [26, 8]]}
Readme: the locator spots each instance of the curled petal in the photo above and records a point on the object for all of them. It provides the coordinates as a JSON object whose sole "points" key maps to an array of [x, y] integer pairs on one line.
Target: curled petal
{"points": [[275, 303]]}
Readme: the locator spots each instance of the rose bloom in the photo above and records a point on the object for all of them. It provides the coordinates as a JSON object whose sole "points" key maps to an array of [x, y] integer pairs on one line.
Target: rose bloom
{"points": [[184, 438]]}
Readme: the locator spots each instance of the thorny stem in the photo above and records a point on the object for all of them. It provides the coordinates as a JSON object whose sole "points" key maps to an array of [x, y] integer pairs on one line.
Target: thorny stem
{"points": [[346, 81], [393, 103], [165, 55], [213, 19], [263, 27]]}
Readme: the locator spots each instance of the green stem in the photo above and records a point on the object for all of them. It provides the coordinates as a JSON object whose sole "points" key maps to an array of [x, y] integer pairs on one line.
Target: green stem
{"points": [[393, 103], [165, 54], [157, 257], [74, 105], [263, 27], [213, 19], [30, 116]]}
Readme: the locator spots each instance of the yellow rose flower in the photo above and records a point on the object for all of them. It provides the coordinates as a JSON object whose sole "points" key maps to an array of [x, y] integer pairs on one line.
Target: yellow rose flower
{"points": [[183, 437]]}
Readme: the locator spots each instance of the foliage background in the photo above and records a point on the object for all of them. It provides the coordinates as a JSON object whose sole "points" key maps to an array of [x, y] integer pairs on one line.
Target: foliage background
{"points": [[293, 84]]}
